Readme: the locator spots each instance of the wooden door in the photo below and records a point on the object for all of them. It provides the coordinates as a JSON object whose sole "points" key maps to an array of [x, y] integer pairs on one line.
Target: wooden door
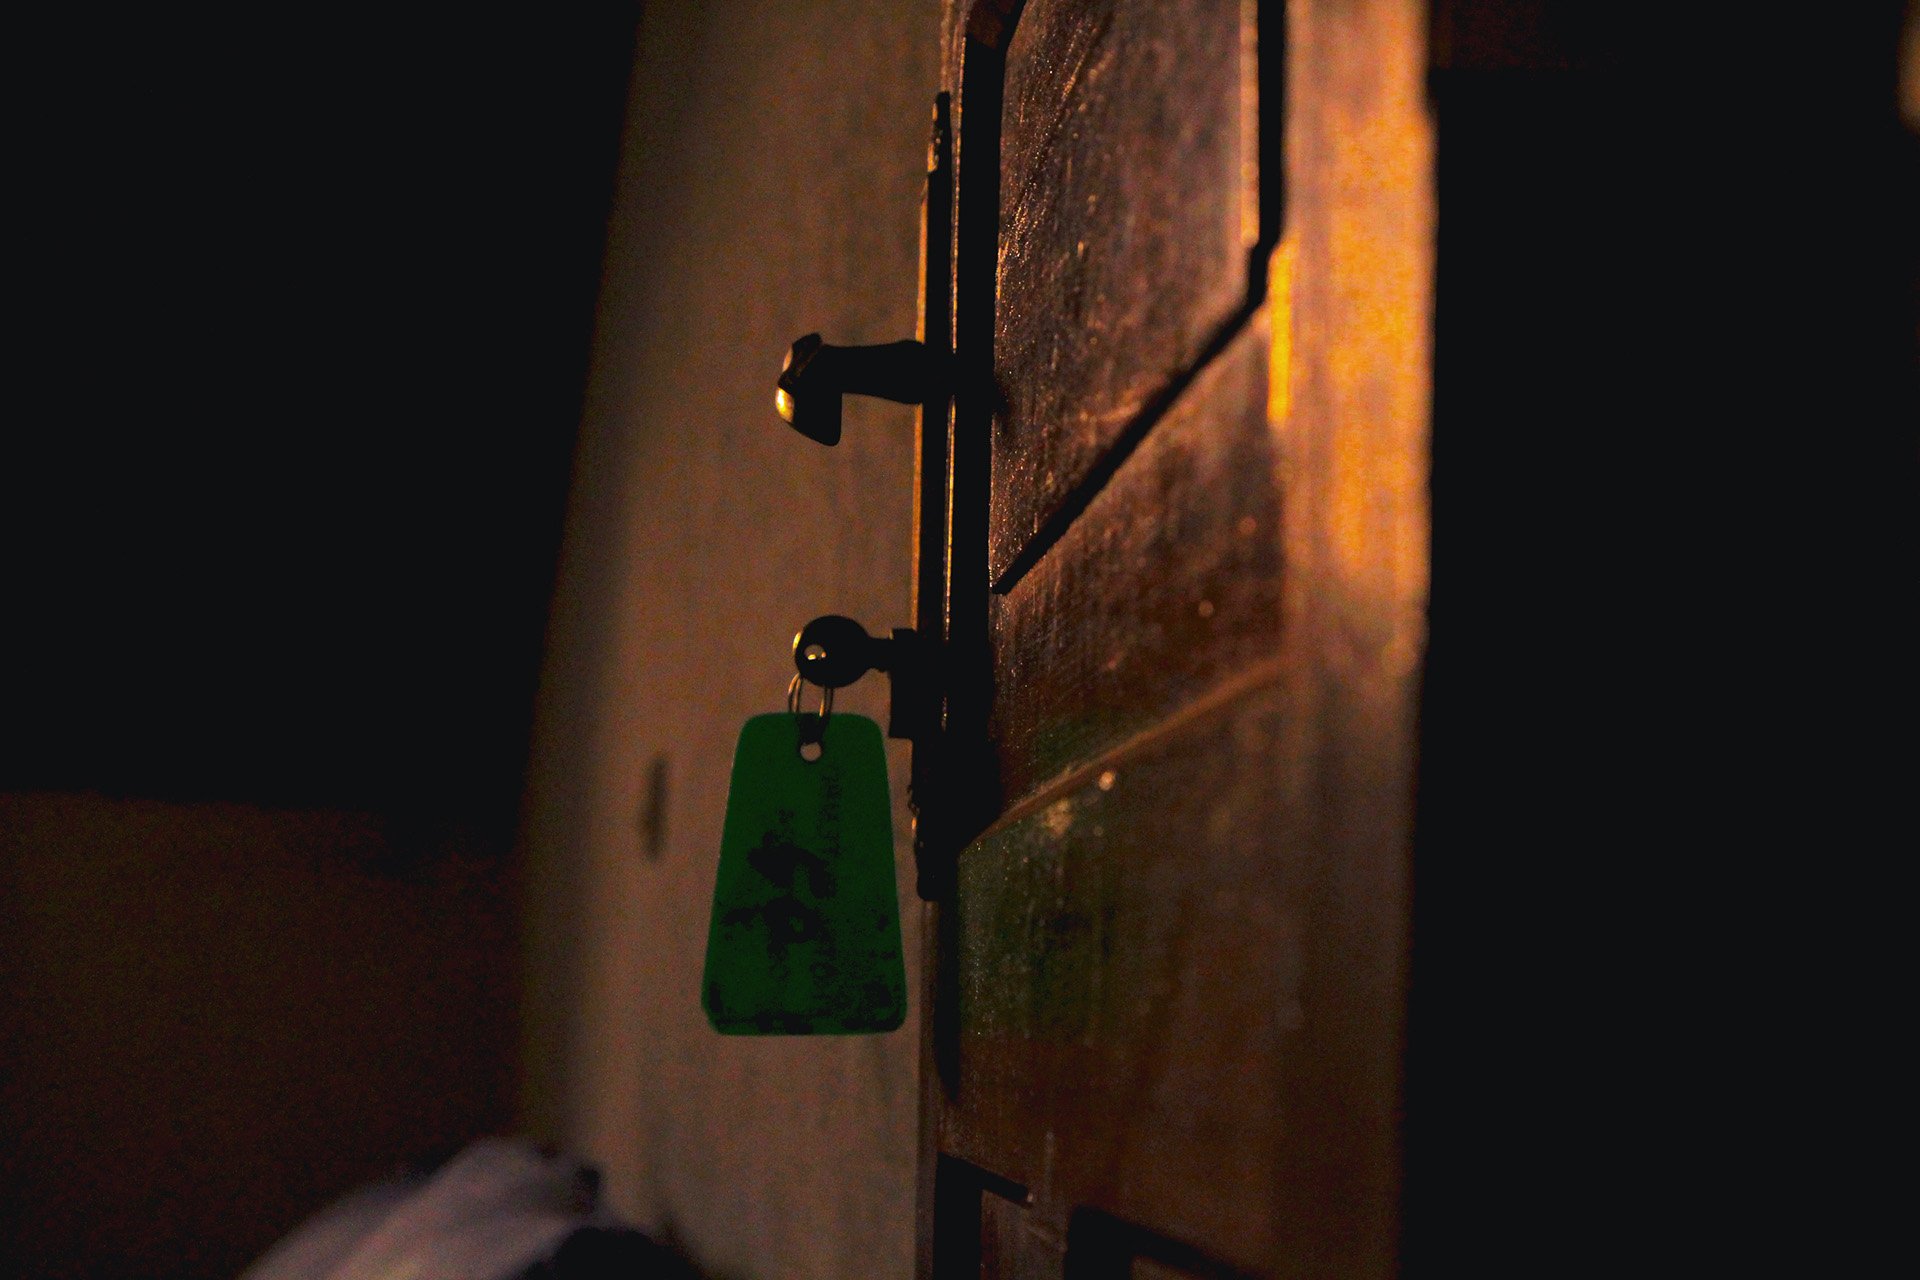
{"points": [[1167, 828]]}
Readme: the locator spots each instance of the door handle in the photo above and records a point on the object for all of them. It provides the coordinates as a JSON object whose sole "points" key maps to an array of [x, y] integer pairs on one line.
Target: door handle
{"points": [[816, 374]]}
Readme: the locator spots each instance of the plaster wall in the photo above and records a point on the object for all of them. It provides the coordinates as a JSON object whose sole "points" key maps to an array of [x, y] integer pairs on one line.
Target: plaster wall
{"points": [[770, 186]]}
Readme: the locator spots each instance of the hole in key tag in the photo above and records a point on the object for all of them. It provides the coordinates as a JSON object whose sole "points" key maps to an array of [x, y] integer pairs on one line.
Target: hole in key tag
{"points": [[805, 933]]}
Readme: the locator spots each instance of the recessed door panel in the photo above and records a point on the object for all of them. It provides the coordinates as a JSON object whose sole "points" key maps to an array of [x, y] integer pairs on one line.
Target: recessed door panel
{"points": [[1128, 209], [1129, 978], [1146, 604]]}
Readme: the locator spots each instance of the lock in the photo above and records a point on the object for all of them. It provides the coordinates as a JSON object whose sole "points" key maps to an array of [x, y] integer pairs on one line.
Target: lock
{"points": [[804, 936], [833, 651]]}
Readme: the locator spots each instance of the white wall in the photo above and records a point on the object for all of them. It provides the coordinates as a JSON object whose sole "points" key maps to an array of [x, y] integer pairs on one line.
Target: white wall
{"points": [[770, 186]]}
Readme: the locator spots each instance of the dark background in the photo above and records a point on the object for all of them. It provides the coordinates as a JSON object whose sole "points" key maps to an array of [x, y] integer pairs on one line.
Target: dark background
{"points": [[301, 311]]}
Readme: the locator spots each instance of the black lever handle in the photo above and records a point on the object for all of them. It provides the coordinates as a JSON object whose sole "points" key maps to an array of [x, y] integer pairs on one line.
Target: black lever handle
{"points": [[817, 374]]}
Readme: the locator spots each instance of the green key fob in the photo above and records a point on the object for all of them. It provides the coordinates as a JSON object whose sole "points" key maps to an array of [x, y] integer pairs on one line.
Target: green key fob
{"points": [[805, 934]]}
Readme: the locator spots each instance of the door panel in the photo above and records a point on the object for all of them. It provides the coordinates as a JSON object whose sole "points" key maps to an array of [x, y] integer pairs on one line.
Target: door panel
{"points": [[1147, 602], [1152, 1269], [1171, 809], [1017, 1244], [1129, 973], [1103, 1247], [1128, 210]]}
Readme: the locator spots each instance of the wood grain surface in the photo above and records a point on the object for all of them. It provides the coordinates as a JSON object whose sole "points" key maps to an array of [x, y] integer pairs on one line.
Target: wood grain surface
{"points": [[1127, 212], [1151, 599], [1130, 967], [1166, 994]]}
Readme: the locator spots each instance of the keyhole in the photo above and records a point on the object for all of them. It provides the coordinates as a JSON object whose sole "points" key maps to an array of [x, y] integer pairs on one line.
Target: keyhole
{"points": [[813, 653]]}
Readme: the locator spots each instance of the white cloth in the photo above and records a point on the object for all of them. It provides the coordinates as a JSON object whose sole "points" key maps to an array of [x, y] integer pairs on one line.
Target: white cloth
{"points": [[496, 1211]]}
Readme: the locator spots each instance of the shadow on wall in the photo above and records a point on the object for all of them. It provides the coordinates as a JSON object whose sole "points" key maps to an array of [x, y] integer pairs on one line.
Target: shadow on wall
{"points": [[231, 1014], [280, 496]]}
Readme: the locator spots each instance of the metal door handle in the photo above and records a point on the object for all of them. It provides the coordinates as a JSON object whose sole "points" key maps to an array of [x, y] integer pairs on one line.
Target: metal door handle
{"points": [[818, 373]]}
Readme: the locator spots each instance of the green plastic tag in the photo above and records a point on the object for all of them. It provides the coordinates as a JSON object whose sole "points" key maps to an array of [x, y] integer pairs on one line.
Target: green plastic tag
{"points": [[805, 936]]}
